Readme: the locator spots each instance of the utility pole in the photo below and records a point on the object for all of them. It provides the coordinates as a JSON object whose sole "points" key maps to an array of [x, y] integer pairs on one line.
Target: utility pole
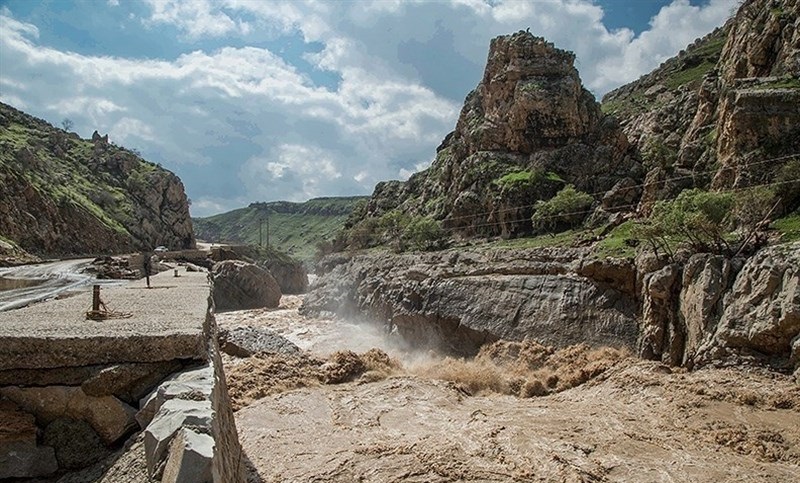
{"points": [[260, 222], [267, 231]]}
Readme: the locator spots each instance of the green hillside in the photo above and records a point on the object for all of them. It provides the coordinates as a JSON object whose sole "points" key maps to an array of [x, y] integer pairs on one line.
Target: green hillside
{"points": [[294, 228], [66, 195]]}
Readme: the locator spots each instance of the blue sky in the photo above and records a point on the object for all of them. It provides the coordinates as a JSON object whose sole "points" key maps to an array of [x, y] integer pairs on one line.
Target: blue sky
{"points": [[256, 100]]}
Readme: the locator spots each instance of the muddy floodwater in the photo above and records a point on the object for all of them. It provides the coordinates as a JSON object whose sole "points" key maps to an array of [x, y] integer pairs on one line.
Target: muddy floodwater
{"points": [[582, 415], [16, 283]]}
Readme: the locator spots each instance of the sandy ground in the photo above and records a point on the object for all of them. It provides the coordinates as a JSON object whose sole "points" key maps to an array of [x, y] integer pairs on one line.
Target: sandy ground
{"points": [[637, 421]]}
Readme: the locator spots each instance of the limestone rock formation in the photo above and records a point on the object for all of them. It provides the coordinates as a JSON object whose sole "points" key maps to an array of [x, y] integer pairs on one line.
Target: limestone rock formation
{"points": [[723, 113], [528, 129], [240, 285], [456, 302], [63, 195], [246, 341], [761, 312]]}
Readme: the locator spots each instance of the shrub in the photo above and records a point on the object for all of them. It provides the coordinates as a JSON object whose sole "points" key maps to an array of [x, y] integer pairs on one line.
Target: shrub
{"points": [[699, 217], [567, 208], [424, 233]]}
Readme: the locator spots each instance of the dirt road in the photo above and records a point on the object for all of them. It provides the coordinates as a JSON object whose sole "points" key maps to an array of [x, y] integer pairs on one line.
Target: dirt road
{"points": [[637, 422]]}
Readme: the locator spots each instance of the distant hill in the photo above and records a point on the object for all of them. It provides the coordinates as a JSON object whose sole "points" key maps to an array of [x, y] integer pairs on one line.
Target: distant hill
{"points": [[294, 228], [64, 195]]}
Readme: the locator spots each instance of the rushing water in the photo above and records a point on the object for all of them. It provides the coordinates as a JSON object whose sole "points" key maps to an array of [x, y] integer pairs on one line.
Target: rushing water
{"points": [[20, 286]]}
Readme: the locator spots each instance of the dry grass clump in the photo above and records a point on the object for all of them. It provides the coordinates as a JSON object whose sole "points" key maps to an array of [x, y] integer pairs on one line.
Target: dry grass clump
{"points": [[525, 369]]}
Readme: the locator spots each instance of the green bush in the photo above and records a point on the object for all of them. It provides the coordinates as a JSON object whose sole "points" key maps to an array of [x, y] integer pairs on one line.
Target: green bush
{"points": [[567, 209], [699, 217], [424, 233]]}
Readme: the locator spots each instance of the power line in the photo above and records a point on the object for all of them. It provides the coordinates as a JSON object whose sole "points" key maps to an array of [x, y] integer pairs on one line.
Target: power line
{"points": [[642, 185], [586, 212]]}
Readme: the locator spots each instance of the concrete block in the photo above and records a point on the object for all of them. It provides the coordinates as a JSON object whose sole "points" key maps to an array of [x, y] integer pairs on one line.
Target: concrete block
{"points": [[170, 418], [190, 458], [193, 384]]}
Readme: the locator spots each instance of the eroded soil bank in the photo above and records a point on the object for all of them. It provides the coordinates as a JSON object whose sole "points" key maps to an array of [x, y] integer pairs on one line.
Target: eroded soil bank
{"points": [[605, 416]]}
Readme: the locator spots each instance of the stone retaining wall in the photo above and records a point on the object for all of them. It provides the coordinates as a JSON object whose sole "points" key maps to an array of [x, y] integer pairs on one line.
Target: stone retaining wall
{"points": [[68, 415]]}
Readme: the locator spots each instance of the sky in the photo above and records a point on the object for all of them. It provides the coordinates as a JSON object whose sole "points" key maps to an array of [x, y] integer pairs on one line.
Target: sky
{"points": [[265, 100]]}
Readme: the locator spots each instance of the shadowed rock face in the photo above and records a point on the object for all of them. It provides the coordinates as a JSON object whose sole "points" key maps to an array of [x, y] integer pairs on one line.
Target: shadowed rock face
{"points": [[457, 302], [529, 113]]}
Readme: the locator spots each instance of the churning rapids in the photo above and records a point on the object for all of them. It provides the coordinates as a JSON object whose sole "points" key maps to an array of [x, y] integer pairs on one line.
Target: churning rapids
{"points": [[517, 412]]}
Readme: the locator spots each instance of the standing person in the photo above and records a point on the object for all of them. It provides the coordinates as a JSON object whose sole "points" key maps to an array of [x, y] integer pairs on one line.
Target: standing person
{"points": [[147, 265]]}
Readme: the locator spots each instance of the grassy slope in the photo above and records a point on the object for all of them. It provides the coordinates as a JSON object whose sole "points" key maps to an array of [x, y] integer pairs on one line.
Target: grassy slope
{"points": [[687, 70], [294, 228], [63, 173]]}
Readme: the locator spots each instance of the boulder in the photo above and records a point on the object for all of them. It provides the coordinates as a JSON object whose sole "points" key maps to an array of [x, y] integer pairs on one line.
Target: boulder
{"points": [[246, 341], [108, 416], [129, 381], [192, 384], [239, 285], [20, 457]]}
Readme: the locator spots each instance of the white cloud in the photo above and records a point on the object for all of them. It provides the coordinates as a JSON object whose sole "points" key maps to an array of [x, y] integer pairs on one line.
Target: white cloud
{"points": [[240, 123], [197, 18]]}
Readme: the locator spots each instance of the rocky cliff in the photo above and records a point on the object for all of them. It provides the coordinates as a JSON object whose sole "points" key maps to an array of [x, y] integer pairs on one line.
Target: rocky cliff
{"points": [[63, 195], [526, 131], [726, 111], [696, 310], [723, 114]]}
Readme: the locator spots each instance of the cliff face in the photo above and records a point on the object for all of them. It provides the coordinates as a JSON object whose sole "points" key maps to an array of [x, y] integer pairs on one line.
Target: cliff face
{"points": [[699, 310], [63, 195], [528, 129], [726, 111]]}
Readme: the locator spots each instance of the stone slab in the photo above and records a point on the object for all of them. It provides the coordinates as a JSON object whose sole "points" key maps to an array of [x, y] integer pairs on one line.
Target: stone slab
{"points": [[165, 323], [190, 458]]}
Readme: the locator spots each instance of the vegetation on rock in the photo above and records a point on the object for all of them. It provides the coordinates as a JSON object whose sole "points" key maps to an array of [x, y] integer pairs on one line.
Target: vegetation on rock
{"points": [[67, 195]]}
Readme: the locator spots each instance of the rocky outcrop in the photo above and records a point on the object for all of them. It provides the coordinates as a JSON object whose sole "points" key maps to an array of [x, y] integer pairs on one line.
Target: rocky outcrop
{"points": [[67, 196], [457, 302], [692, 311], [528, 129], [240, 285], [246, 341], [724, 112], [760, 314]]}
